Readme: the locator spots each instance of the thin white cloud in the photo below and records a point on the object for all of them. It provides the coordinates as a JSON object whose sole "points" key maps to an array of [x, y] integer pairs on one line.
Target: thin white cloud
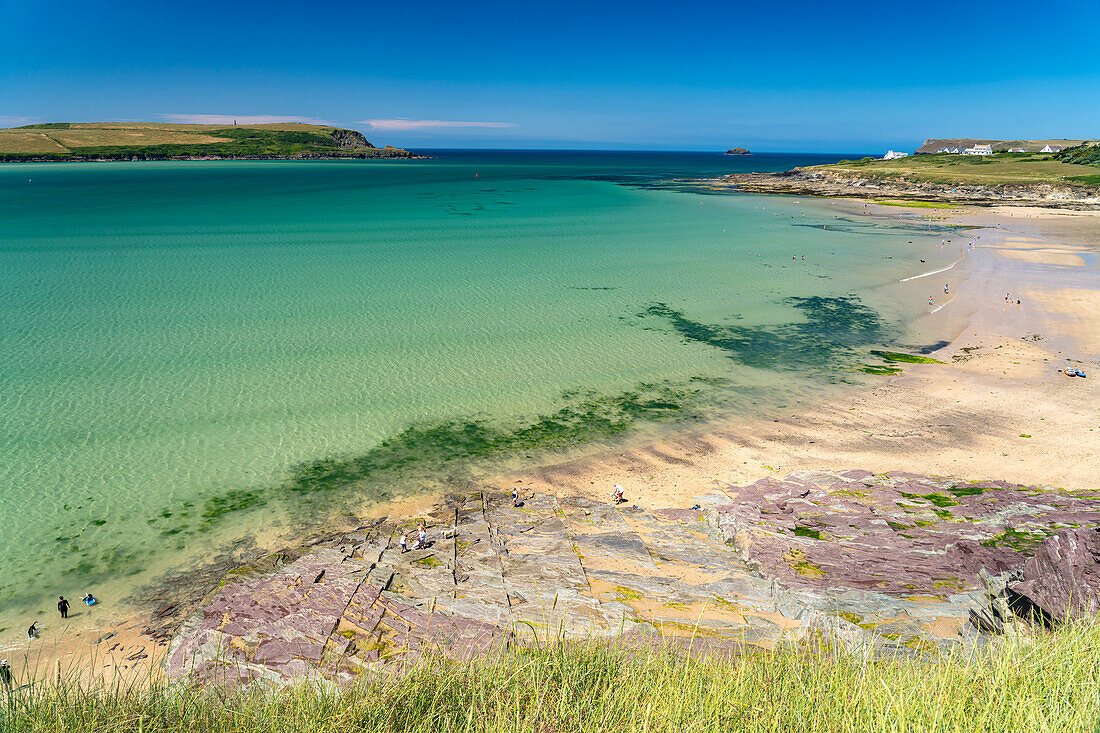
{"points": [[427, 124], [239, 119], [16, 120]]}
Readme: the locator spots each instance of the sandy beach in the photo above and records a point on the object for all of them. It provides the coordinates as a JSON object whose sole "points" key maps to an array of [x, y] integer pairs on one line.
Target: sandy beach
{"points": [[998, 408]]}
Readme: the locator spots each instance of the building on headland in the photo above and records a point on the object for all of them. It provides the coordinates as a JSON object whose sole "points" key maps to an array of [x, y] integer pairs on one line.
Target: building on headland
{"points": [[894, 155], [979, 150], [960, 146], [1051, 149]]}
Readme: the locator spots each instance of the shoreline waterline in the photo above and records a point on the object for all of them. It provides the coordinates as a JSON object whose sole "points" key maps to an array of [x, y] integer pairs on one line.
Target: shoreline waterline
{"points": [[666, 473], [856, 389]]}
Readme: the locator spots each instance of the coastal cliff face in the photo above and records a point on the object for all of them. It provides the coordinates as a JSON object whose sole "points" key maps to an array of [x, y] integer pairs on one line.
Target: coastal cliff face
{"points": [[346, 139]]}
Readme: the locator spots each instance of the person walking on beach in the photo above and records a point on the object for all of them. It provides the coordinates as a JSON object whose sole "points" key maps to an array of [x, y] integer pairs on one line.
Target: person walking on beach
{"points": [[945, 286], [6, 676], [63, 606], [929, 300]]}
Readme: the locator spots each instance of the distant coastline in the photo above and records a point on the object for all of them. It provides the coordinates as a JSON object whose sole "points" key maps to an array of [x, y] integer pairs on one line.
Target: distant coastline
{"points": [[1061, 177], [833, 184], [375, 154], [98, 142]]}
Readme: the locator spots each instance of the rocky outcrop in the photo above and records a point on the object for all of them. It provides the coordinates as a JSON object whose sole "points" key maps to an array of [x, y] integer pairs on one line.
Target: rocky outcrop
{"points": [[350, 139], [895, 532], [738, 151], [1062, 579], [881, 565], [849, 184]]}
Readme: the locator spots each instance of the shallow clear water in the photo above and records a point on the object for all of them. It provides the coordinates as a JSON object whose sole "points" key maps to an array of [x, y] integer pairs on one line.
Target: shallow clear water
{"points": [[180, 339]]}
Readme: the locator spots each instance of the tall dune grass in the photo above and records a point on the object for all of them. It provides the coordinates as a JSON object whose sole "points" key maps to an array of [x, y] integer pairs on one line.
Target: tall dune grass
{"points": [[1047, 683]]}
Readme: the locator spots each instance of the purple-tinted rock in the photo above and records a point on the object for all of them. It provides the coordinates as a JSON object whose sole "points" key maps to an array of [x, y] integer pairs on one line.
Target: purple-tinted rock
{"points": [[1062, 579], [896, 532]]}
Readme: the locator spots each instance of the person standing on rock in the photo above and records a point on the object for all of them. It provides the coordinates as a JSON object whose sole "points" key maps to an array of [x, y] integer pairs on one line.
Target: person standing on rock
{"points": [[63, 606]]}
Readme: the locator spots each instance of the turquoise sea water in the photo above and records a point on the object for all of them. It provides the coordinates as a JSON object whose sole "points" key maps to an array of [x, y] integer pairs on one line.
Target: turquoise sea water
{"points": [[195, 352]]}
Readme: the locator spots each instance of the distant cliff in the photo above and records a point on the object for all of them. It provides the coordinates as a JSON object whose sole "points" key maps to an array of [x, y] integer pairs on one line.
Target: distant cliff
{"points": [[105, 141]]}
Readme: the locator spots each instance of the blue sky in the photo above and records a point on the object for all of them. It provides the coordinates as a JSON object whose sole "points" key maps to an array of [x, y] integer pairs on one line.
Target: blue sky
{"points": [[780, 76]]}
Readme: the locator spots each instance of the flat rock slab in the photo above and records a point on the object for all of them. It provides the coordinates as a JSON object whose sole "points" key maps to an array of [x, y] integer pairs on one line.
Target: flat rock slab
{"points": [[897, 533], [878, 562]]}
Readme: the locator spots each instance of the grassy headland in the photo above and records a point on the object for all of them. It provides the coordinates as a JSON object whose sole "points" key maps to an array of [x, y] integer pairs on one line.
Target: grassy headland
{"points": [[1070, 178], [996, 169], [1050, 681], [71, 141]]}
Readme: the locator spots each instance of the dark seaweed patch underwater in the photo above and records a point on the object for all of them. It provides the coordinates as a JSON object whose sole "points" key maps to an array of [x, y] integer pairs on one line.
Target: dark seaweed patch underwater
{"points": [[833, 327], [447, 454]]}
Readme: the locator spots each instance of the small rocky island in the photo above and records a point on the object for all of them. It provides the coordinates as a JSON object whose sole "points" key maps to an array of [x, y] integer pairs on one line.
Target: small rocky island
{"points": [[738, 151]]}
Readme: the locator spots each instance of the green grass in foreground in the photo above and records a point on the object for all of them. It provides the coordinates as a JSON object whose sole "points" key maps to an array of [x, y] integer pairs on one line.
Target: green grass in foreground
{"points": [[1047, 683]]}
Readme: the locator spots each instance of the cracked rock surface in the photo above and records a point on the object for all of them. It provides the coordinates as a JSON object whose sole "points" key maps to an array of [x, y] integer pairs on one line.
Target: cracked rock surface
{"points": [[882, 564]]}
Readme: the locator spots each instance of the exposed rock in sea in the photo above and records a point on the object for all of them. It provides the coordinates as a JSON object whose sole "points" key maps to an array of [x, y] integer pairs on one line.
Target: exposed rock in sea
{"points": [[833, 183], [1062, 579], [738, 151]]}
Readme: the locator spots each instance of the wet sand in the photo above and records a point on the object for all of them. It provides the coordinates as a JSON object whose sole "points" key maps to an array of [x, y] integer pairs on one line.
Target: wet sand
{"points": [[999, 408]]}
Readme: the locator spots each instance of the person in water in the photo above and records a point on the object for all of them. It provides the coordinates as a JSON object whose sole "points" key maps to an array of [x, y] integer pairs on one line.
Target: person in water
{"points": [[63, 606], [32, 632], [89, 599]]}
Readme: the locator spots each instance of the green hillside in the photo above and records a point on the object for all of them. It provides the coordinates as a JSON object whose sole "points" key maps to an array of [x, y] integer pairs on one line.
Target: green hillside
{"points": [[997, 169], [1086, 154], [71, 141]]}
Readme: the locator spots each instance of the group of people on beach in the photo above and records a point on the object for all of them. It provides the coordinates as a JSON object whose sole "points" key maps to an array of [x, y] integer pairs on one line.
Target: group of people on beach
{"points": [[7, 678], [419, 543], [63, 609]]}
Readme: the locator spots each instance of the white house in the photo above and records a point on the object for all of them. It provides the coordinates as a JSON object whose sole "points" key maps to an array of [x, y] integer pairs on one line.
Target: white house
{"points": [[894, 155], [1017, 150], [979, 150], [1051, 149], [953, 151]]}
